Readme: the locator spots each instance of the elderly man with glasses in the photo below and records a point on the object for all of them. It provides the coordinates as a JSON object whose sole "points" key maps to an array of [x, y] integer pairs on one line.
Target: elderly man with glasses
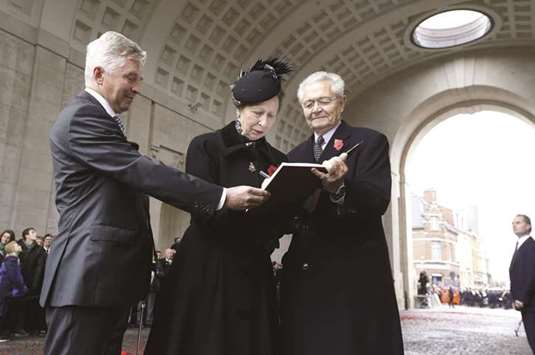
{"points": [[337, 290]]}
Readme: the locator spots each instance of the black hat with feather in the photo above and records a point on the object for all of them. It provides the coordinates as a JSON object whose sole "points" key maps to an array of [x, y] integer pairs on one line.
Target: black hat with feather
{"points": [[261, 82]]}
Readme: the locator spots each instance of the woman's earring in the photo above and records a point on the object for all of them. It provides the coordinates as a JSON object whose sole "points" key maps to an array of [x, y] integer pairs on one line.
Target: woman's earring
{"points": [[238, 126]]}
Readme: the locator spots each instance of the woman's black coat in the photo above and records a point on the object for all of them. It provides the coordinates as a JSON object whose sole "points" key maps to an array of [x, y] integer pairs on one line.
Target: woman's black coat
{"points": [[219, 296]]}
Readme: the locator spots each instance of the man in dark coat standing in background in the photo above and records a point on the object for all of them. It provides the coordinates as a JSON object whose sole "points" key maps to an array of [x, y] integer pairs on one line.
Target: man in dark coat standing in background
{"points": [[337, 291], [522, 275], [32, 262], [100, 263]]}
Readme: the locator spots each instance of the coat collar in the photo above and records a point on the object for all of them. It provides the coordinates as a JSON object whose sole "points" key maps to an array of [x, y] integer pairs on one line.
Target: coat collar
{"points": [[234, 142], [517, 251], [84, 95]]}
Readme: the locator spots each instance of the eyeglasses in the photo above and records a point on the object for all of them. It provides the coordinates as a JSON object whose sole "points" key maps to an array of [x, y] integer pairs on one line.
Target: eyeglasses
{"points": [[321, 101]]}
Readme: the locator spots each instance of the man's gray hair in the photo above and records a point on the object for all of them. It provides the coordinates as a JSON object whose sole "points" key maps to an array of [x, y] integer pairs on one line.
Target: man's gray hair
{"points": [[110, 51], [337, 83]]}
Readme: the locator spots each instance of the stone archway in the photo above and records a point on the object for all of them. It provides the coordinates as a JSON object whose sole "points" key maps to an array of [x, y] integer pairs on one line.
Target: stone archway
{"points": [[507, 105], [410, 101]]}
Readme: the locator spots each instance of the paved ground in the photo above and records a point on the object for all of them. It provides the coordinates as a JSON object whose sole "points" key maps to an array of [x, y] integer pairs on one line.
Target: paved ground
{"points": [[463, 330], [440, 331]]}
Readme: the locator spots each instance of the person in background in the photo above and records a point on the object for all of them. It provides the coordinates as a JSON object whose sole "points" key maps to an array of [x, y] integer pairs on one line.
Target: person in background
{"points": [[12, 290], [40, 240], [33, 261], [7, 236], [47, 243], [522, 275]]}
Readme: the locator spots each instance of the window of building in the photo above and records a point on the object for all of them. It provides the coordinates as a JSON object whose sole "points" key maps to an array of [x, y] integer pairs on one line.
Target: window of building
{"points": [[436, 251], [434, 224], [436, 279]]}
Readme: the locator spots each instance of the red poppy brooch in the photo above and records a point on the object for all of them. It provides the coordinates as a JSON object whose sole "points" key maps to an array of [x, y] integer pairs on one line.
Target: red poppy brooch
{"points": [[271, 169], [338, 144]]}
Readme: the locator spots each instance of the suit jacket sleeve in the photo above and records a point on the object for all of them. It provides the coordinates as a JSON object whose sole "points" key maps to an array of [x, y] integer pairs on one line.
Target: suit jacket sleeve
{"points": [[95, 142], [203, 162], [368, 188]]}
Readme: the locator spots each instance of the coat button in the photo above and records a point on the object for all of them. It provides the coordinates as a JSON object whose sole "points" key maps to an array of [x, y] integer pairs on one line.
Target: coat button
{"points": [[305, 266]]}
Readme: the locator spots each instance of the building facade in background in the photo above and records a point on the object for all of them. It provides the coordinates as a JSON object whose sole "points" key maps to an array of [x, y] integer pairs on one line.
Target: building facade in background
{"points": [[446, 244]]}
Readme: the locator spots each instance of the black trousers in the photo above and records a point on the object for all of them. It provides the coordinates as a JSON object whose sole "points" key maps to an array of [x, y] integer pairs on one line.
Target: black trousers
{"points": [[12, 320], [528, 318], [77, 330], [34, 317]]}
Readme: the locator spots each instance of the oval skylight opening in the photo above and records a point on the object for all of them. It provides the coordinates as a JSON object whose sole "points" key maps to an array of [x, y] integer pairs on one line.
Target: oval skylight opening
{"points": [[451, 28]]}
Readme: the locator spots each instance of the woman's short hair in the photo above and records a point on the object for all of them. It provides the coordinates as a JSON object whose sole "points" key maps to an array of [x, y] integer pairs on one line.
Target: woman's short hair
{"points": [[337, 83], [110, 51], [12, 247]]}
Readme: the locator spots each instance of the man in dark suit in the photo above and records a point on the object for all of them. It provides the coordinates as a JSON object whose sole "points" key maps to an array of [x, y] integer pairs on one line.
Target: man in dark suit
{"points": [[101, 259], [337, 291], [522, 275]]}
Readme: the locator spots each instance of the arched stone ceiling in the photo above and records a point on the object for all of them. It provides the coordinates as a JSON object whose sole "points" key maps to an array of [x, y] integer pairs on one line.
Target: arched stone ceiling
{"points": [[97, 16], [197, 47], [369, 40], [366, 41], [208, 43]]}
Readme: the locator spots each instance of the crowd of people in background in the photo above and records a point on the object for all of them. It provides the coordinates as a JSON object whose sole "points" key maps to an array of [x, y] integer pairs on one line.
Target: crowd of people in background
{"points": [[492, 298], [452, 295], [22, 267]]}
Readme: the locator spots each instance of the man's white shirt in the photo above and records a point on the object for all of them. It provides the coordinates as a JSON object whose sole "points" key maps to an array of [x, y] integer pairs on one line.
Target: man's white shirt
{"points": [[521, 240], [326, 136]]}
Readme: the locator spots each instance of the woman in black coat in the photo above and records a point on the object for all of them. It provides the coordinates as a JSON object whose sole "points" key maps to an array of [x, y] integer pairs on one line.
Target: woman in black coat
{"points": [[219, 295]]}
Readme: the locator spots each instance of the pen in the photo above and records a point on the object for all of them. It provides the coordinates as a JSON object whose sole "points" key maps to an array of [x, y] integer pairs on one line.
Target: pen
{"points": [[353, 148], [263, 174]]}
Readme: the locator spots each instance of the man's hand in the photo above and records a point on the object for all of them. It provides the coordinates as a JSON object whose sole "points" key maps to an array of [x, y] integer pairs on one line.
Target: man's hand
{"points": [[244, 197], [518, 305], [336, 170], [169, 253]]}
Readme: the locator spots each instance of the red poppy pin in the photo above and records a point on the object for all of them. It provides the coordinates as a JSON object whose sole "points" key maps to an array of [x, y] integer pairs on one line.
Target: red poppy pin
{"points": [[338, 144], [271, 169]]}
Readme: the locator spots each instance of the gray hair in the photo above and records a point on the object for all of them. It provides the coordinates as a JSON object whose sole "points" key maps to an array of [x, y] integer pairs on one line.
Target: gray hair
{"points": [[337, 83], [110, 51]]}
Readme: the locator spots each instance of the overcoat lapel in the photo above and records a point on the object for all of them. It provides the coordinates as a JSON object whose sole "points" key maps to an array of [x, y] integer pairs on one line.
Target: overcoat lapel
{"points": [[343, 132]]}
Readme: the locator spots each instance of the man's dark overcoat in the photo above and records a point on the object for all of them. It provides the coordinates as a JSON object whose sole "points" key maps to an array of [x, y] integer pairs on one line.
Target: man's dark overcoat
{"points": [[32, 263], [219, 295], [337, 291]]}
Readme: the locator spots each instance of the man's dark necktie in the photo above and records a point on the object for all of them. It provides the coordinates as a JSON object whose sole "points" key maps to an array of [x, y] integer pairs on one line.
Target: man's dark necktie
{"points": [[120, 123], [516, 251], [317, 148]]}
